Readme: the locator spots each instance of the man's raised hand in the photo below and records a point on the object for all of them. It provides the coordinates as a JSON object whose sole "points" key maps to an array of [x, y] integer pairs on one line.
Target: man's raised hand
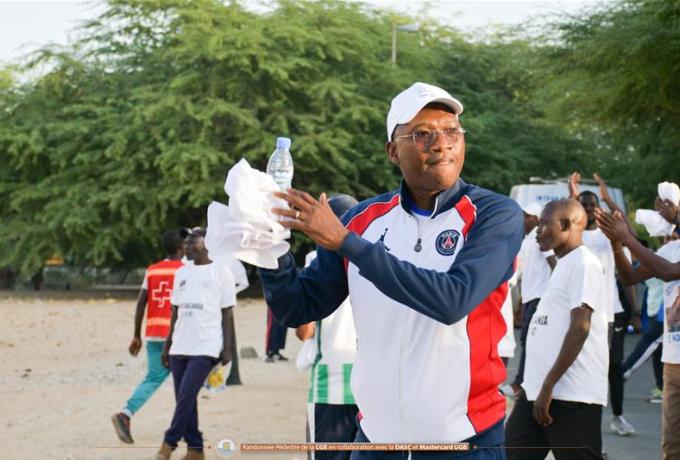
{"points": [[313, 217], [612, 225], [574, 180], [604, 192]]}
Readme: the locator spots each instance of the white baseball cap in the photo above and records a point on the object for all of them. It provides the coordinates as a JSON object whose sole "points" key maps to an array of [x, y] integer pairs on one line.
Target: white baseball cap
{"points": [[669, 191], [409, 102]]}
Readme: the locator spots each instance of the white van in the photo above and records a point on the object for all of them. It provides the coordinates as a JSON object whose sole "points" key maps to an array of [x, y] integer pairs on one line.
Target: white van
{"points": [[543, 191]]}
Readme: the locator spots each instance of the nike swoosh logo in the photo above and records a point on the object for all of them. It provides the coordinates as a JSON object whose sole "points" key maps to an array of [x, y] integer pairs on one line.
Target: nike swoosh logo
{"points": [[618, 329]]}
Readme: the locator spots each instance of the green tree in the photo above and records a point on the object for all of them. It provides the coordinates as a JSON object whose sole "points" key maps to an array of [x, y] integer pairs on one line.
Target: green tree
{"points": [[132, 129], [612, 75]]}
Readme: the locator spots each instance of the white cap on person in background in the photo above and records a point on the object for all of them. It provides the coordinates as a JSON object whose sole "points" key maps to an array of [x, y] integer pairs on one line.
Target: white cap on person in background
{"points": [[409, 102], [654, 223], [669, 191], [533, 209]]}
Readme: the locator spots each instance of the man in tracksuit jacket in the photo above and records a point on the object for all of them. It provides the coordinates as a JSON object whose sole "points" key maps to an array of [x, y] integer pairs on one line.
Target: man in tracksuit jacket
{"points": [[426, 269]]}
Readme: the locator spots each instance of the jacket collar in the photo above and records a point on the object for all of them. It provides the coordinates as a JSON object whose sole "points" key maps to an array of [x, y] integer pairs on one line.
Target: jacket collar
{"points": [[445, 200]]}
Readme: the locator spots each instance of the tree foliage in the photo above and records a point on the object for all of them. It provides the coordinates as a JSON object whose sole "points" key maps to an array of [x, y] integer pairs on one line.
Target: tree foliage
{"points": [[612, 75], [132, 129]]}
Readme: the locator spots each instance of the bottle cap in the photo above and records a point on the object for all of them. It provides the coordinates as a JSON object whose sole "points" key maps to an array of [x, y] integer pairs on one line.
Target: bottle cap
{"points": [[283, 143]]}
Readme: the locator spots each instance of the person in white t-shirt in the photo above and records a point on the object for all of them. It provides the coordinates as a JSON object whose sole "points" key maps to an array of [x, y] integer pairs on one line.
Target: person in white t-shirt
{"points": [[666, 266], [200, 336], [331, 408], [507, 345], [618, 317], [565, 378], [533, 268]]}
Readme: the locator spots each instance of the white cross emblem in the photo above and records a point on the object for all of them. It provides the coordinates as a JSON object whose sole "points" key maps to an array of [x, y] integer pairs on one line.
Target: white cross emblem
{"points": [[162, 294]]}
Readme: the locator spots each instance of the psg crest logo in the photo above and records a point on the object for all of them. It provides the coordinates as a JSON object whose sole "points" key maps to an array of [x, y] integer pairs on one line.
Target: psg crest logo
{"points": [[446, 242]]}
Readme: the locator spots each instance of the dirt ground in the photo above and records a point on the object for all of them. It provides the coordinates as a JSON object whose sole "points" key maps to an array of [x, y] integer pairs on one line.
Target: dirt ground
{"points": [[65, 369]]}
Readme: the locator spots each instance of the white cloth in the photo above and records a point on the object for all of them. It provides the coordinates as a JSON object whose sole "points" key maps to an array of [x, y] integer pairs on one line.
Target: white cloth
{"points": [[576, 280], [534, 268], [336, 341], [307, 355], [338, 338], [238, 272], [654, 296], [200, 292], [600, 245], [247, 229], [669, 191], [671, 303], [506, 347], [654, 223]]}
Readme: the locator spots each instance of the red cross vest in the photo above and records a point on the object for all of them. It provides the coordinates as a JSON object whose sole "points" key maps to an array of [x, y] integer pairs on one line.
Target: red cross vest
{"points": [[159, 280]]}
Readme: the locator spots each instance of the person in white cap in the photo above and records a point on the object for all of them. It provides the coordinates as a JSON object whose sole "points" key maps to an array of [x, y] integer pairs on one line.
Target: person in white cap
{"points": [[665, 264], [668, 204], [619, 306], [535, 267], [426, 269]]}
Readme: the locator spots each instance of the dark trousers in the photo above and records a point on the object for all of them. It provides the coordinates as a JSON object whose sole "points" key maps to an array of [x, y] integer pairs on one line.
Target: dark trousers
{"points": [[647, 346], [276, 334], [483, 451], [529, 310], [332, 423], [575, 433], [618, 334], [188, 375], [658, 366]]}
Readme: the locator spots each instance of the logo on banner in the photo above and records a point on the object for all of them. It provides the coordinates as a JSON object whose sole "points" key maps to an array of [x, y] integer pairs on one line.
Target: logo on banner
{"points": [[226, 448], [446, 242]]}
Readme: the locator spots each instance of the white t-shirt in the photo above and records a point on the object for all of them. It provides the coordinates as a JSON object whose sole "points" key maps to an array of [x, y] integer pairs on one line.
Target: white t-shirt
{"points": [[336, 341], [506, 347], [671, 303], [534, 267], [201, 292], [577, 279], [238, 272], [600, 245]]}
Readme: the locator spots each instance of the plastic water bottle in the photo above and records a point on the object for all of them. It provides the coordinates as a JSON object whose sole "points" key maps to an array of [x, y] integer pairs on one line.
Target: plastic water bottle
{"points": [[280, 165]]}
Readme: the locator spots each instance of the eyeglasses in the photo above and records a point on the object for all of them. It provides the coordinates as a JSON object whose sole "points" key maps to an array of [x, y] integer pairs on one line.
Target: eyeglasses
{"points": [[425, 138]]}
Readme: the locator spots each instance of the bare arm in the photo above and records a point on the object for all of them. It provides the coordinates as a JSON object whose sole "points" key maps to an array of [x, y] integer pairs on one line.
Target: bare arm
{"points": [[139, 313], [227, 327], [653, 265], [165, 355], [576, 336], [613, 207], [631, 296], [604, 193], [613, 226], [574, 180], [304, 332], [629, 275], [136, 343]]}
